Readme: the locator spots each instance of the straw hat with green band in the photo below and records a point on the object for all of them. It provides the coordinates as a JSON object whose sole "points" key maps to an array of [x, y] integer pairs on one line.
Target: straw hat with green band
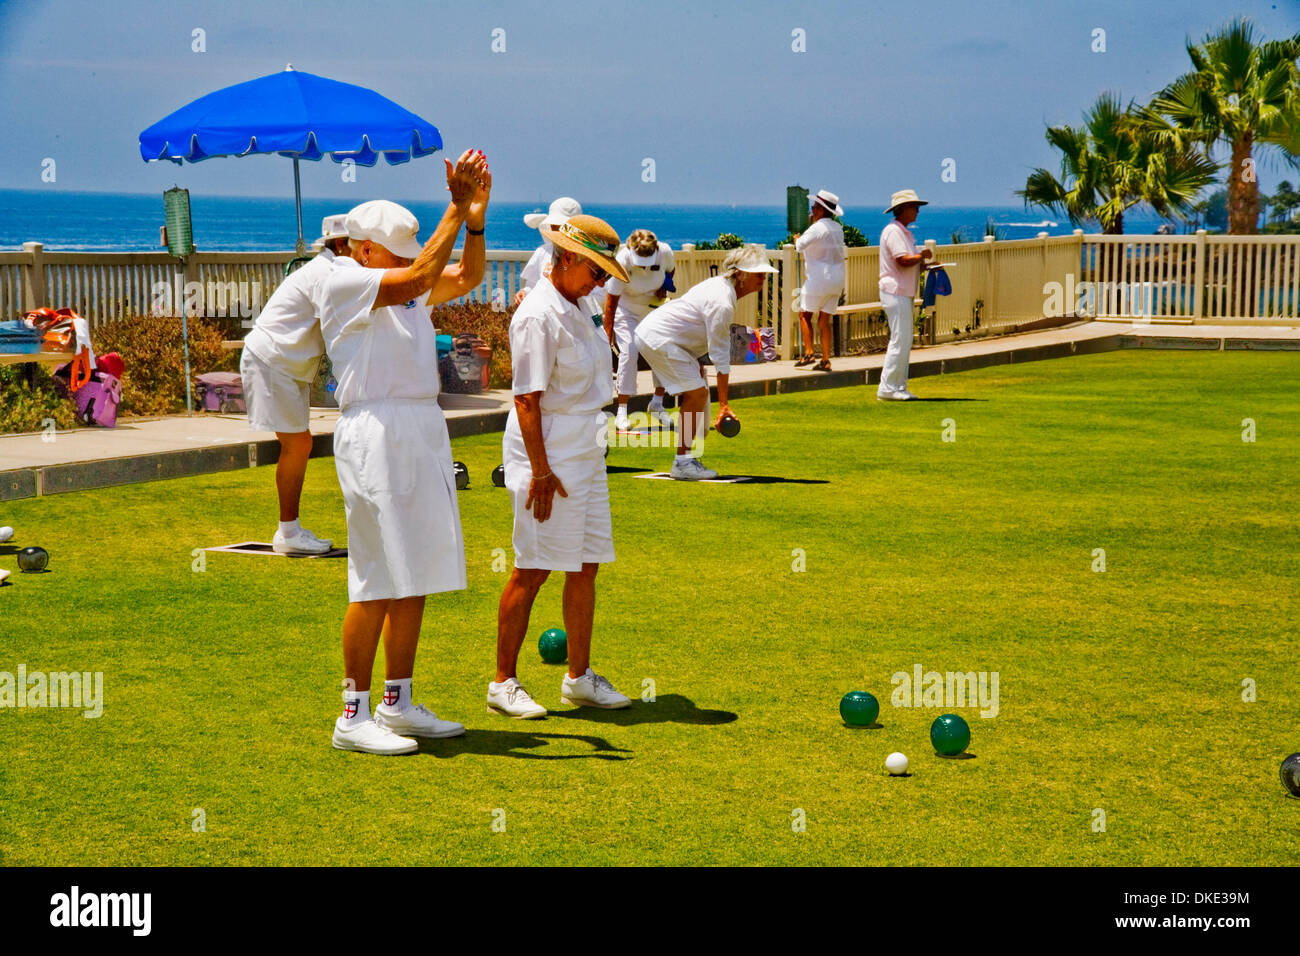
{"points": [[593, 239]]}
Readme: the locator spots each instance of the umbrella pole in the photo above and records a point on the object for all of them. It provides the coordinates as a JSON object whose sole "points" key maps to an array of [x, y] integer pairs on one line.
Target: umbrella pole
{"points": [[185, 340], [297, 201]]}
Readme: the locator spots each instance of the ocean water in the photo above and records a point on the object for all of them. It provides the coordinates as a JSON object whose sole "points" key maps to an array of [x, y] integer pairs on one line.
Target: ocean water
{"points": [[125, 222]]}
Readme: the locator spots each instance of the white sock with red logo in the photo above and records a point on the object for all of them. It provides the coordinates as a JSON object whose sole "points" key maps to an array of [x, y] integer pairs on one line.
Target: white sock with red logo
{"points": [[356, 707], [397, 695]]}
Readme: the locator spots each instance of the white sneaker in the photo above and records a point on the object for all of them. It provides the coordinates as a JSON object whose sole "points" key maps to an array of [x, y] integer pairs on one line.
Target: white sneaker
{"points": [[661, 415], [369, 738], [511, 700], [591, 690], [304, 542], [417, 721], [899, 396], [692, 470]]}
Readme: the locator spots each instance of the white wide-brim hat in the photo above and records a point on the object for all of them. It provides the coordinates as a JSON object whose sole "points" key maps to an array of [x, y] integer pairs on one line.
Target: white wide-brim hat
{"points": [[561, 211], [392, 226], [905, 196], [748, 258], [830, 201]]}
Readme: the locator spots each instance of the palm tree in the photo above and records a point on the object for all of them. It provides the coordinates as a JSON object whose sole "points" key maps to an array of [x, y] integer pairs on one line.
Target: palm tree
{"points": [[1112, 163], [1241, 93]]}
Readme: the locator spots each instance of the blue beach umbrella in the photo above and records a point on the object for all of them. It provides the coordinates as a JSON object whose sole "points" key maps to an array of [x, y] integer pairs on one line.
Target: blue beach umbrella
{"points": [[295, 114]]}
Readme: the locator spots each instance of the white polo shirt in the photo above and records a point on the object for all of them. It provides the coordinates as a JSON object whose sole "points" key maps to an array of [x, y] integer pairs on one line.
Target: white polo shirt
{"points": [[822, 246], [377, 354], [287, 334], [642, 283], [556, 349], [897, 240], [700, 321]]}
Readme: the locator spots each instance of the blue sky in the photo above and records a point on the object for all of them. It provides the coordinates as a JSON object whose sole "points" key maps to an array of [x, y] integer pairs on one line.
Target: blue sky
{"points": [[712, 91]]}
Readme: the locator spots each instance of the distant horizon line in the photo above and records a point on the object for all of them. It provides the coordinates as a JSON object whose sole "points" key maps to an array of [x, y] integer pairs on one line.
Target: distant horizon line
{"points": [[517, 202]]}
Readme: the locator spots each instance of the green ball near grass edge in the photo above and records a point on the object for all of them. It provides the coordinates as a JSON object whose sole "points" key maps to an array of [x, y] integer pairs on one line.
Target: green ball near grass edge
{"points": [[859, 708], [553, 645], [950, 735]]}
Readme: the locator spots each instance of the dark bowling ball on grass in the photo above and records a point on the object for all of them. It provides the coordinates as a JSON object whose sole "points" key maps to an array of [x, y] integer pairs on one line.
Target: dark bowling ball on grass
{"points": [[859, 709], [950, 735], [1291, 774], [462, 475], [553, 645], [729, 426], [499, 476], [33, 559]]}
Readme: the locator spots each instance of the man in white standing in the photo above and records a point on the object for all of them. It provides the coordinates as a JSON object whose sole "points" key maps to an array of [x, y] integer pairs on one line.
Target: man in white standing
{"points": [[392, 450], [900, 267], [822, 247], [281, 355], [649, 265]]}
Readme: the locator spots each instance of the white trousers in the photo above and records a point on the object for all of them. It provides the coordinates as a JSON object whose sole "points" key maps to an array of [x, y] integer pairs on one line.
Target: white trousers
{"points": [[625, 339], [898, 311]]}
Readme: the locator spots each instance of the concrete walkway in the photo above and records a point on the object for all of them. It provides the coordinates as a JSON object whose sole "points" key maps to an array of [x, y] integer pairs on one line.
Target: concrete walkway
{"points": [[148, 449]]}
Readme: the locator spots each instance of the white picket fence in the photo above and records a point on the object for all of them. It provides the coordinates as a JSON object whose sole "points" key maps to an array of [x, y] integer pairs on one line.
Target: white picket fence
{"points": [[997, 286]]}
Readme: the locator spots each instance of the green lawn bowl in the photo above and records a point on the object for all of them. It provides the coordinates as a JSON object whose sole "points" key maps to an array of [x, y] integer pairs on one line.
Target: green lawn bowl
{"points": [[553, 645], [950, 735], [859, 709]]}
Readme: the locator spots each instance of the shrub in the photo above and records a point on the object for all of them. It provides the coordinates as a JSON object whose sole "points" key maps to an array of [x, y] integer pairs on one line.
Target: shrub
{"points": [[24, 409], [152, 350], [492, 327]]}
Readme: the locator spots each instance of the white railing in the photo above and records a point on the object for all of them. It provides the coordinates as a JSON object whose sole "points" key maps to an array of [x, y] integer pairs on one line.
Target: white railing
{"points": [[1200, 278], [997, 286]]}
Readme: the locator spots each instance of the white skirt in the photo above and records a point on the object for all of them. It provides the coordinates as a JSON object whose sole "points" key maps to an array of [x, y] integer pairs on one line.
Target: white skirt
{"points": [[399, 488]]}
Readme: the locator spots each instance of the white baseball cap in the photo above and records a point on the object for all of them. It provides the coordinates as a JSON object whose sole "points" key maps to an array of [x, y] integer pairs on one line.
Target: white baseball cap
{"points": [[392, 226], [334, 227], [561, 211]]}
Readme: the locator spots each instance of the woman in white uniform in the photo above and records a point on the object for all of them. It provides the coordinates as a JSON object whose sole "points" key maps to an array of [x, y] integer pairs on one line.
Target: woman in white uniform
{"points": [[554, 458], [673, 336], [392, 452], [649, 266], [822, 247]]}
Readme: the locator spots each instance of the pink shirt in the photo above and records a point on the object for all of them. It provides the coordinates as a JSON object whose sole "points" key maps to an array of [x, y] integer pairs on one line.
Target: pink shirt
{"points": [[895, 241]]}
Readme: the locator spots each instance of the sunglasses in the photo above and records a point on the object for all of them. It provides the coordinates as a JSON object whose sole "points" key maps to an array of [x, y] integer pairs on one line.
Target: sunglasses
{"points": [[598, 274]]}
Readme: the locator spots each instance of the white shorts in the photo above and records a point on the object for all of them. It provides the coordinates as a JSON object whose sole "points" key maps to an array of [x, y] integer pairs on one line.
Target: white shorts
{"points": [[579, 530], [819, 301], [275, 401], [678, 370], [399, 490]]}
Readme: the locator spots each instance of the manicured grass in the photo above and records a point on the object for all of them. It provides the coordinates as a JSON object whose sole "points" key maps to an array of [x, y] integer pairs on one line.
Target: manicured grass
{"points": [[1120, 691]]}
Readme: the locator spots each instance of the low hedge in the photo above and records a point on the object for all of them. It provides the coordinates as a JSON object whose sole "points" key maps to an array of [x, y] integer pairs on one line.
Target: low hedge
{"points": [[28, 409], [152, 350]]}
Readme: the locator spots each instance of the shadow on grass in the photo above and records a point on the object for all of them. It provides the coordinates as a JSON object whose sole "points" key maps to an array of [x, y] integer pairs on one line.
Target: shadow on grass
{"points": [[518, 743], [624, 470], [940, 399], [964, 755], [666, 709]]}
